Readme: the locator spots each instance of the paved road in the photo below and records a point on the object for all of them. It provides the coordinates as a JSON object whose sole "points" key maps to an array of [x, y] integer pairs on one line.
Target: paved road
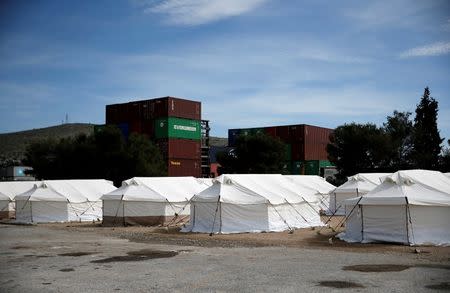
{"points": [[41, 259]]}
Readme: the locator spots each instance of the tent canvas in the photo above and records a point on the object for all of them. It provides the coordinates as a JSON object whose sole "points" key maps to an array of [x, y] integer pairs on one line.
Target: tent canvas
{"points": [[317, 183], [150, 201], [252, 203], [11, 189], [62, 200], [4, 206], [356, 185], [410, 207]]}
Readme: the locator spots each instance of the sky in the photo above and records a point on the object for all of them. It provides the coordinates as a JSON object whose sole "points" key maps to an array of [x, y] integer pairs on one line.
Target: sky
{"points": [[251, 63]]}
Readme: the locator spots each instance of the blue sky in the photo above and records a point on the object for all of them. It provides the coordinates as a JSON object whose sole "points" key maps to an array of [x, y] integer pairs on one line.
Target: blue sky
{"points": [[250, 62]]}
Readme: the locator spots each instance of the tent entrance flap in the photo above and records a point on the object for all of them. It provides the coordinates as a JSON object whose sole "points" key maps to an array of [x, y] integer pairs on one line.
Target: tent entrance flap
{"points": [[384, 223]]}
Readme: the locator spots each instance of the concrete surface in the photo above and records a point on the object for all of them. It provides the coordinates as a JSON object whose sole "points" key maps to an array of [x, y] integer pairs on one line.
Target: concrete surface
{"points": [[41, 259]]}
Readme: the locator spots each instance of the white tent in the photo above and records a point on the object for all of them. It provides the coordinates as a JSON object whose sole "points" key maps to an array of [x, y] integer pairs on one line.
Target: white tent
{"points": [[410, 207], [447, 174], [11, 189], [252, 203], [317, 183], [207, 181], [150, 201], [356, 185], [4, 206], [62, 200]]}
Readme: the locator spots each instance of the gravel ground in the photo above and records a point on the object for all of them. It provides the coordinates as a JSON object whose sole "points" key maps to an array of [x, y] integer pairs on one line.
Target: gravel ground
{"points": [[90, 258]]}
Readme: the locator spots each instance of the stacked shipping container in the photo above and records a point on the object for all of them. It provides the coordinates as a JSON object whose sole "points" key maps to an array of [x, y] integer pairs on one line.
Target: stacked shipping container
{"points": [[305, 146], [172, 123]]}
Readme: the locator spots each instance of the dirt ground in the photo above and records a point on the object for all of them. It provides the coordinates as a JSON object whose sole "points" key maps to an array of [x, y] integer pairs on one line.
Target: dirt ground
{"points": [[316, 238], [86, 257]]}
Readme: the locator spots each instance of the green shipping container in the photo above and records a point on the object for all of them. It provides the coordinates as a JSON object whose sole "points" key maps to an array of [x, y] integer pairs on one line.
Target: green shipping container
{"points": [[297, 168], [177, 128], [323, 164], [288, 154], [312, 168]]}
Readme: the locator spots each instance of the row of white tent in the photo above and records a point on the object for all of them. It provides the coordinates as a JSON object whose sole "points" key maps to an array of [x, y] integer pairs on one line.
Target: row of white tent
{"points": [[53, 200], [153, 200], [407, 207]]}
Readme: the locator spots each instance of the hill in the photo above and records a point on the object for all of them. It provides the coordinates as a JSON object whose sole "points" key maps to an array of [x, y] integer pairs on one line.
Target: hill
{"points": [[13, 145]]}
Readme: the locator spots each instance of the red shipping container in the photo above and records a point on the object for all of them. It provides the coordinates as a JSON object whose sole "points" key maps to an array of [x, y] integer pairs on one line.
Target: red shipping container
{"points": [[148, 128], [176, 107], [296, 132], [316, 151], [283, 133], [184, 167], [271, 131], [314, 134], [180, 148], [298, 151], [135, 126]]}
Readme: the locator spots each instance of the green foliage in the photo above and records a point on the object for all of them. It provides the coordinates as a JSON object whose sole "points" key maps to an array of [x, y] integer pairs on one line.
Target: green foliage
{"points": [[102, 155], [445, 159], [398, 145], [399, 129], [426, 138], [254, 154], [356, 148]]}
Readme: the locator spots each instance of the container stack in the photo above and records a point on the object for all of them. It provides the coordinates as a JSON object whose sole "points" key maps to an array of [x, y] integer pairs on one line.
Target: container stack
{"points": [[172, 123], [306, 152]]}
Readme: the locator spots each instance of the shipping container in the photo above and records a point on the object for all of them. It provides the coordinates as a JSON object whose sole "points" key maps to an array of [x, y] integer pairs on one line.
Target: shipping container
{"points": [[183, 167], [135, 126], [176, 107], [232, 136], [148, 128], [312, 167], [180, 148], [316, 151], [124, 129], [288, 152], [287, 168], [177, 128], [271, 131], [298, 151], [283, 133], [296, 133], [297, 168]]}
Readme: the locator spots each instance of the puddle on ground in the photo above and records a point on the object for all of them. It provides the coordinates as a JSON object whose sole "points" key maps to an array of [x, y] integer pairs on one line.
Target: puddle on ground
{"points": [[20, 247], [139, 255], [67, 270], [39, 256], [376, 268], [441, 286], [340, 284], [380, 268], [76, 253]]}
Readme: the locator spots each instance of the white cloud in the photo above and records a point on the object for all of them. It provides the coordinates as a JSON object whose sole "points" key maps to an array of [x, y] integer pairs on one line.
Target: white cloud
{"points": [[196, 12], [436, 49]]}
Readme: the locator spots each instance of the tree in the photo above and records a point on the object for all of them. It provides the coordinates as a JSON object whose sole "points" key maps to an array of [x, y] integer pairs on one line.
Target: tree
{"points": [[257, 153], [426, 139], [445, 159], [102, 155], [146, 158], [399, 129], [356, 148]]}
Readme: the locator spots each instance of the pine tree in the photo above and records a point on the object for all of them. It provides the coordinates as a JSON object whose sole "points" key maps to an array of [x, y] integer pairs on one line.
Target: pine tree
{"points": [[426, 138]]}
